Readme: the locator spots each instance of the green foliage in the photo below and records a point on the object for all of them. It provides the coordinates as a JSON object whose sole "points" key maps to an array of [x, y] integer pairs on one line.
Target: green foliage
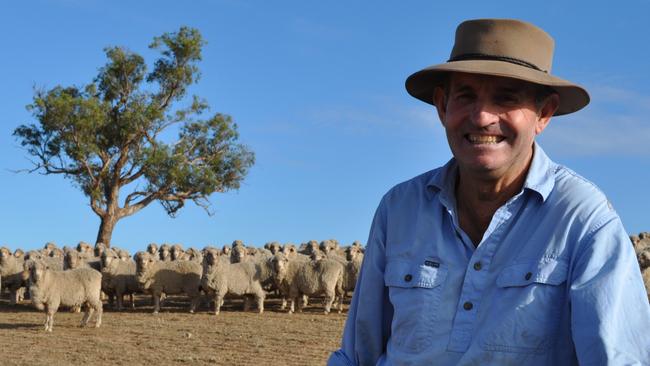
{"points": [[106, 135]]}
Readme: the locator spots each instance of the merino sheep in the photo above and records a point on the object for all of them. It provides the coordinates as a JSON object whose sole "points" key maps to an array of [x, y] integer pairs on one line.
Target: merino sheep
{"points": [[221, 278], [118, 277], [158, 277], [298, 278], [75, 288], [177, 252], [74, 259], [85, 249], [11, 270], [165, 253], [152, 249], [238, 254], [274, 247]]}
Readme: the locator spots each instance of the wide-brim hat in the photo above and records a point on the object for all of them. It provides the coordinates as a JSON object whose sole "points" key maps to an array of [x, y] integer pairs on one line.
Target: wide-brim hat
{"points": [[500, 47]]}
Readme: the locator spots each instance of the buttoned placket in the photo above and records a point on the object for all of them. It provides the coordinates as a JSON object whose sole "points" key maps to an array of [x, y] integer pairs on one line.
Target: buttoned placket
{"points": [[476, 272]]}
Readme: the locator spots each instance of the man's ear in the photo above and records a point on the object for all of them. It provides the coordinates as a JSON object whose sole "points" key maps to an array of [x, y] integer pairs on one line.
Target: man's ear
{"points": [[546, 112], [440, 101]]}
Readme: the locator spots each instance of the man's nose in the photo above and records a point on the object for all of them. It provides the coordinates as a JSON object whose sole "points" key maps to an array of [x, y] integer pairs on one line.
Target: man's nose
{"points": [[484, 113]]}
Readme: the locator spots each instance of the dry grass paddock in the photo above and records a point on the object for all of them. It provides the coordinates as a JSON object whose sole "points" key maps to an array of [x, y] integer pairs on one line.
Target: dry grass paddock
{"points": [[173, 337]]}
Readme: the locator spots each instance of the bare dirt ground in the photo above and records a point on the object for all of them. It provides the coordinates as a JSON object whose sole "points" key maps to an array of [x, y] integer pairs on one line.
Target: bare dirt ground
{"points": [[173, 337]]}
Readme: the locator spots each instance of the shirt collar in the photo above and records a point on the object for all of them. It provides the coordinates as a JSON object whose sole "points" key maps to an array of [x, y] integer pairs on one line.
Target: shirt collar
{"points": [[540, 177]]}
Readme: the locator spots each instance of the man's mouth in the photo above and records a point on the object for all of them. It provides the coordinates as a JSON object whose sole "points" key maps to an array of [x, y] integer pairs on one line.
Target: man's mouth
{"points": [[484, 139]]}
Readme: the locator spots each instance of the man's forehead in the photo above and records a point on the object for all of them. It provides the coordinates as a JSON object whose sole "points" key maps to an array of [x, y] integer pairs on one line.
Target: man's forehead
{"points": [[465, 80]]}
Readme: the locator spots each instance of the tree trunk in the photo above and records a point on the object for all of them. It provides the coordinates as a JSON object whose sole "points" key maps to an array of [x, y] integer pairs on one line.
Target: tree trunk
{"points": [[106, 230]]}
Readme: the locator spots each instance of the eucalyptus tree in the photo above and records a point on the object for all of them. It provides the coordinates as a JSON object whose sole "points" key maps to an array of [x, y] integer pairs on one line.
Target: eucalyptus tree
{"points": [[107, 136]]}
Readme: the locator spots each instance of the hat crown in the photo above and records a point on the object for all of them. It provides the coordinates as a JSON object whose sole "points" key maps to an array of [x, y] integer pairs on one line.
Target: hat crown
{"points": [[504, 40]]}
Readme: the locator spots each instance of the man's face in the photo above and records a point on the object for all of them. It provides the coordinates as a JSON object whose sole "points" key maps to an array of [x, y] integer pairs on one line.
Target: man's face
{"points": [[491, 123]]}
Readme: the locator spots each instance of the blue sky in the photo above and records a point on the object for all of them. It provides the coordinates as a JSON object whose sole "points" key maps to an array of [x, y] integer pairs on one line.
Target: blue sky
{"points": [[317, 89]]}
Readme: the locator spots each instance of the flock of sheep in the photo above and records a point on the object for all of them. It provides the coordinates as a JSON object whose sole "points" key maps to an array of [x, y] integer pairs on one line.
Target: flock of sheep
{"points": [[79, 278]]}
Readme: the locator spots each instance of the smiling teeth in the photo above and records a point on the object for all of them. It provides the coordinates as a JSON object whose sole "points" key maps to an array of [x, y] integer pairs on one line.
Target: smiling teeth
{"points": [[482, 139]]}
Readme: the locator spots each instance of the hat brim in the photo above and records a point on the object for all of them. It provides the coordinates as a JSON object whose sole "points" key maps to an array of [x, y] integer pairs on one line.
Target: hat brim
{"points": [[422, 84]]}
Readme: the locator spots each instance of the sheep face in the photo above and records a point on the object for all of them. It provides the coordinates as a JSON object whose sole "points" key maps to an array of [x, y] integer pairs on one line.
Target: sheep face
{"points": [[18, 253], [84, 247], [72, 260], [352, 252], [37, 272], [165, 252], [289, 250], [280, 265], [49, 247], [4, 256], [238, 254], [56, 253], [107, 258], [274, 247], [312, 247], [152, 248], [226, 249], [177, 252]]}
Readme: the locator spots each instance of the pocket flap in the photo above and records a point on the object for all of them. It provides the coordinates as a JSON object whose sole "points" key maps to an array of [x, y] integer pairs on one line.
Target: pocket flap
{"points": [[407, 274], [549, 271]]}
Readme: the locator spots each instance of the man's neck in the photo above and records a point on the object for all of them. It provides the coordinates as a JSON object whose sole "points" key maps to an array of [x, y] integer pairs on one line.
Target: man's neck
{"points": [[478, 198]]}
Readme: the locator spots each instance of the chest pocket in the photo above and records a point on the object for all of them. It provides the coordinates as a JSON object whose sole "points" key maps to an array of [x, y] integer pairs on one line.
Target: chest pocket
{"points": [[415, 290], [529, 303]]}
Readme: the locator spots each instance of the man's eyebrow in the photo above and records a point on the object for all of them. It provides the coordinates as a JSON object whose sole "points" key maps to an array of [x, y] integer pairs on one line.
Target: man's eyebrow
{"points": [[463, 88]]}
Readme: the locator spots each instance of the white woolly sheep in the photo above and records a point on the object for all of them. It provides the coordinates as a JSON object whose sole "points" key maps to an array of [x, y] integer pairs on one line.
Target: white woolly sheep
{"points": [[118, 277], [11, 270], [298, 278], [75, 288], [165, 253], [221, 278], [158, 277]]}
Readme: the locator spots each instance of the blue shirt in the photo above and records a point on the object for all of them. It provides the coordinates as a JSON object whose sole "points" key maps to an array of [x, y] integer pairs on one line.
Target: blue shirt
{"points": [[554, 281]]}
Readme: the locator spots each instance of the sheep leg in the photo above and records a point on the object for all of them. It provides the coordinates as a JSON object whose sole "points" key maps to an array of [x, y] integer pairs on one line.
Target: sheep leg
{"points": [[119, 299], [156, 303], [218, 301], [284, 303], [132, 301], [247, 304], [14, 297], [260, 303], [98, 308], [50, 309], [329, 300], [88, 312], [194, 302]]}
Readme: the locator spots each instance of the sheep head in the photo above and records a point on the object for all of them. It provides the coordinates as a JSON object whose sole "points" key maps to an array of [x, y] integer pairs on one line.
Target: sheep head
{"points": [[72, 260], [165, 252], [177, 252], [152, 248]]}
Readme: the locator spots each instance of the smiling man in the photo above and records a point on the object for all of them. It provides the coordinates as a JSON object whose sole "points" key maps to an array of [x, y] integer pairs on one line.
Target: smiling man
{"points": [[500, 257]]}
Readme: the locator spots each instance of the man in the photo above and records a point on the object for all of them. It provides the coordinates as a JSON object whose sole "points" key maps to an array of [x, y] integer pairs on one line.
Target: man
{"points": [[500, 257]]}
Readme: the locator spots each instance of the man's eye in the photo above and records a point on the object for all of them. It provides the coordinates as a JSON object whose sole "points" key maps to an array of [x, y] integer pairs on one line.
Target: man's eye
{"points": [[463, 96]]}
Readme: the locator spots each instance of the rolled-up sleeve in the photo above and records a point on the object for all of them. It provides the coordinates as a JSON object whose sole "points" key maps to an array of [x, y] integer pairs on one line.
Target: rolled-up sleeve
{"points": [[610, 310], [367, 328]]}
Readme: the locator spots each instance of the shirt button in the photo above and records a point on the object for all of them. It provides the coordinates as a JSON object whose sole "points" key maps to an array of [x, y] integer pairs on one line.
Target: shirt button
{"points": [[468, 305], [477, 266], [528, 276], [408, 278]]}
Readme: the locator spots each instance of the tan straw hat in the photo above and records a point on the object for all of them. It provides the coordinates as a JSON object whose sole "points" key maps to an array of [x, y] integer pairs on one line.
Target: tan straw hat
{"points": [[500, 47]]}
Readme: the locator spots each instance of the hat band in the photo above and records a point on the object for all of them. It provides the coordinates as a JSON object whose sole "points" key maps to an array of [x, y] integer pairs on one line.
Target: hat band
{"points": [[482, 56]]}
